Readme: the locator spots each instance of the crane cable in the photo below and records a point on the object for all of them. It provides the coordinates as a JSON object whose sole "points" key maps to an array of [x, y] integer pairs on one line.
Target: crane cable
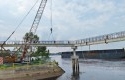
{"points": [[51, 22], [51, 14], [19, 24]]}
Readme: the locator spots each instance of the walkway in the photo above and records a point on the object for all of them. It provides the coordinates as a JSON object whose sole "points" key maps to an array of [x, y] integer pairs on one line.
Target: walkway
{"points": [[108, 38]]}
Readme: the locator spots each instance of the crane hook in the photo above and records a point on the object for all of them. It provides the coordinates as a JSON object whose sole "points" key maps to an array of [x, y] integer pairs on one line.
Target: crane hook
{"points": [[51, 30]]}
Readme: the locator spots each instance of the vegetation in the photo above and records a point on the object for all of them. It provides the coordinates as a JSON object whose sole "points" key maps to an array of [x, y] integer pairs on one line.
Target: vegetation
{"points": [[3, 66], [4, 53], [41, 53], [30, 37]]}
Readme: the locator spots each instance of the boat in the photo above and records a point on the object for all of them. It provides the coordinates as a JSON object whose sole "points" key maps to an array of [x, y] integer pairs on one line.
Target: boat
{"points": [[97, 54]]}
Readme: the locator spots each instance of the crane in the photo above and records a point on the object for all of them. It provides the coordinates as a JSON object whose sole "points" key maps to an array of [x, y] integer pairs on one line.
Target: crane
{"points": [[34, 26]]}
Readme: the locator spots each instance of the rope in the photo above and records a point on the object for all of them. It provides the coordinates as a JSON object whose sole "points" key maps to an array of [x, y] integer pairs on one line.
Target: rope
{"points": [[19, 24]]}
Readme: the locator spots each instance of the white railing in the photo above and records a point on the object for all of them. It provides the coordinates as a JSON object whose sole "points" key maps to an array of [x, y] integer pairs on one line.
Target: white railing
{"points": [[119, 36]]}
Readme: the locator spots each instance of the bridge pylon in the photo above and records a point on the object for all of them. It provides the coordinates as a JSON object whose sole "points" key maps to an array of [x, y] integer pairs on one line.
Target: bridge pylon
{"points": [[75, 62]]}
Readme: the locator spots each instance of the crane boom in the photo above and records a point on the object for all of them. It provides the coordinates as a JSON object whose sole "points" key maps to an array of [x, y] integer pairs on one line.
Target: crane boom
{"points": [[38, 16], [35, 25]]}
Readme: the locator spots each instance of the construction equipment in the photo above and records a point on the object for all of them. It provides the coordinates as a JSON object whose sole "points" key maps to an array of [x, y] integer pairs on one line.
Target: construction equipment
{"points": [[8, 56], [34, 26]]}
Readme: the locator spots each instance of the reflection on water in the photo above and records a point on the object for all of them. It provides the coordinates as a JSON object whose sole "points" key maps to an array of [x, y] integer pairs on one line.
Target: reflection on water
{"points": [[75, 76], [92, 69]]}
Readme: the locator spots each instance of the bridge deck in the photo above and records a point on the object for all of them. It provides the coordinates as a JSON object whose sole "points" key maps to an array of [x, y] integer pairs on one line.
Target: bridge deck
{"points": [[114, 37]]}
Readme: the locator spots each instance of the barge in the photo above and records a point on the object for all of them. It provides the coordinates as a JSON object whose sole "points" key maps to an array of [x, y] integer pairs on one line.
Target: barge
{"points": [[97, 54]]}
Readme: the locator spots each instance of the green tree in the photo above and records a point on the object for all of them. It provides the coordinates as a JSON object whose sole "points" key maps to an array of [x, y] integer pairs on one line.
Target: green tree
{"points": [[41, 51], [30, 37]]}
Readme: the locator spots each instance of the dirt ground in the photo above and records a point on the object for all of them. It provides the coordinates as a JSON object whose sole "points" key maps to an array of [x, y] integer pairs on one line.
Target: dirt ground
{"points": [[31, 73]]}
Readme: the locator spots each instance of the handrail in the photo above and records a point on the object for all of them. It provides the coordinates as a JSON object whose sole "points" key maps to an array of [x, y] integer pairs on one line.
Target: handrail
{"points": [[119, 36]]}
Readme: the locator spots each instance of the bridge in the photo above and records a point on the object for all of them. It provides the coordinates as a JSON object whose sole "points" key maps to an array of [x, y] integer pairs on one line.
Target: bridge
{"points": [[108, 38]]}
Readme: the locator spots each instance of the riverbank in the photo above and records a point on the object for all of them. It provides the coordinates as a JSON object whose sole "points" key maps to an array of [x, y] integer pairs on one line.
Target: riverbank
{"points": [[31, 72]]}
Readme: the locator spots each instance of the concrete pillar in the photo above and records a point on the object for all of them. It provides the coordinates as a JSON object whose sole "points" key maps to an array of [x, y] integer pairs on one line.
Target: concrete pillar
{"points": [[74, 50], [75, 62]]}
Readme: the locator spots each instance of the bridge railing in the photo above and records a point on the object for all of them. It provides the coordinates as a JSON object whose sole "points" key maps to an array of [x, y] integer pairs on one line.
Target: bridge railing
{"points": [[119, 36], [39, 42], [104, 38]]}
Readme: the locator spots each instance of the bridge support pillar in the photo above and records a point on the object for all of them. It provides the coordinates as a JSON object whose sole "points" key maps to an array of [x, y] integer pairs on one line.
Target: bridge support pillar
{"points": [[75, 62]]}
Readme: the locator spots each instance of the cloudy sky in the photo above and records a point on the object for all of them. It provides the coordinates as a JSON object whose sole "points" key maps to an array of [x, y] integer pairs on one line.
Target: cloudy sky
{"points": [[72, 20]]}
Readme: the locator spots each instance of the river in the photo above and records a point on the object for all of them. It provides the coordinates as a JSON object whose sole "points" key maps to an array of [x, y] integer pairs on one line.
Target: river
{"points": [[92, 69]]}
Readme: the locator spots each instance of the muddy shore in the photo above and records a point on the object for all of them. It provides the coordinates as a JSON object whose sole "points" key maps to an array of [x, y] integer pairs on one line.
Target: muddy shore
{"points": [[37, 72]]}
